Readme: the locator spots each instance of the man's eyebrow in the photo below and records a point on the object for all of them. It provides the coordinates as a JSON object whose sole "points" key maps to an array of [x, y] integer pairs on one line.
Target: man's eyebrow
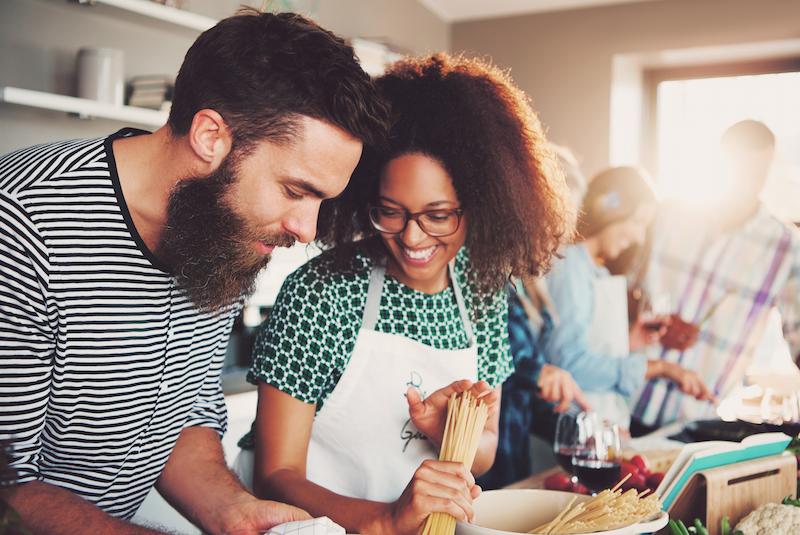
{"points": [[306, 186]]}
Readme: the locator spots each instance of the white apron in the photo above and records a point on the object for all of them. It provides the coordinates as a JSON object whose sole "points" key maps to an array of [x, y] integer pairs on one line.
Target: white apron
{"points": [[608, 334], [363, 444]]}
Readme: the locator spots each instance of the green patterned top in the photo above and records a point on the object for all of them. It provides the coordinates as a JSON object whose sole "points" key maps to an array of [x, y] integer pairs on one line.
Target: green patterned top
{"points": [[304, 346]]}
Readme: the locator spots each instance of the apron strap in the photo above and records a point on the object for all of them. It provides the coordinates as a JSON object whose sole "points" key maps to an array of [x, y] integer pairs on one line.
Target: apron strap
{"points": [[376, 278], [462, 309]]}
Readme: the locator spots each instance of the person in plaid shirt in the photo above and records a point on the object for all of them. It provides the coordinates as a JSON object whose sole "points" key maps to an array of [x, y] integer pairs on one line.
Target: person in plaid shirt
{"points": [[725, 269]]}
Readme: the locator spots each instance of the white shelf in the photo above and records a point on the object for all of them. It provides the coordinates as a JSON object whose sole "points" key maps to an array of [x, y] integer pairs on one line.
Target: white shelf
{"points": [[81, 106], [146, 8]]}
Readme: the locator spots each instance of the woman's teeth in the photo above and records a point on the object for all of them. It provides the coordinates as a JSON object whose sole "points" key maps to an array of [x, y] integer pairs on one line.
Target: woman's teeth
{"points": [[419, 254]]}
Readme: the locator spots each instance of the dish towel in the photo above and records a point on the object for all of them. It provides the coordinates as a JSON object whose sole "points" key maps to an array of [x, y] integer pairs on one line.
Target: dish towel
{"points": [[314, 526]]}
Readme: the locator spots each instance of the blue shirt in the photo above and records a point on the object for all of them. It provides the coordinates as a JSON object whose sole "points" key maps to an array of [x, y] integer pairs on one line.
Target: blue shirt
{"points": [[571, 288]]}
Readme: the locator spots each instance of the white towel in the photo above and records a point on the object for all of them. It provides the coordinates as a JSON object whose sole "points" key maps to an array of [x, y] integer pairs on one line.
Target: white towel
{"points": [[314, 526]]}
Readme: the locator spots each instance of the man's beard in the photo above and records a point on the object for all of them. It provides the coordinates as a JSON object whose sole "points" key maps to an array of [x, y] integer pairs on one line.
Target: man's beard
{"points": [[206, 244]]}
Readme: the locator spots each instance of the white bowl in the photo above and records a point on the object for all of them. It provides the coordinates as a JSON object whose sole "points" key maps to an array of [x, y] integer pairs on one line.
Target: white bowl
{"points": [[513, 511]]}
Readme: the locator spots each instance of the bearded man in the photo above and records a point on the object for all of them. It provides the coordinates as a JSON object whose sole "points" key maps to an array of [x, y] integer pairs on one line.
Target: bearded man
{"points": [[125, 260]]}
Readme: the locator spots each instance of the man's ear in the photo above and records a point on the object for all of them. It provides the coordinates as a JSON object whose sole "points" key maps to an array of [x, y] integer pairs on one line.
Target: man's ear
{"points": [[210, 139]]}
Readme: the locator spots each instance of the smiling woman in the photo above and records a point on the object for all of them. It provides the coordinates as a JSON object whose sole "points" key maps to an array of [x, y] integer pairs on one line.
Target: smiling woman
{"points": [[367, 342]]}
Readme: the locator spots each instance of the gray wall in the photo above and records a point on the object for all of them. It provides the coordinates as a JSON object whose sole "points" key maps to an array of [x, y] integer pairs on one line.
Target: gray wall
{"points": [[564, 59], [40, 38]]}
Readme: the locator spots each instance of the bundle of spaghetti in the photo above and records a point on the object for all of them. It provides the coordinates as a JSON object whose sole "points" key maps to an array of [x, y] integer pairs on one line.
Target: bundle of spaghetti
{"points": [[610, 509], [466, 418]]}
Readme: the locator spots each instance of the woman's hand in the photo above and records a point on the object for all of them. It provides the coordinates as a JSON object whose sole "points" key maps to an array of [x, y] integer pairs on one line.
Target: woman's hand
{"points": [[437, 487], [688, 381], [430, 415], [558, 386], [647, 332]]}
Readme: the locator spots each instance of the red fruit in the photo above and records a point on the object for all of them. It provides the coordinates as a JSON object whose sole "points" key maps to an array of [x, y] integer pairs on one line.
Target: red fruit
{"points": [[636, 481], [641, 462], [580, 488], [654, 480], [626, 468], [559, 481]]}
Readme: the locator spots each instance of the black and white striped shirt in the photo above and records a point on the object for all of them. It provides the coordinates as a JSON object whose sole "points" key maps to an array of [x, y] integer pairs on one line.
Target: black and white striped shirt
{"points": [[103, 360]]}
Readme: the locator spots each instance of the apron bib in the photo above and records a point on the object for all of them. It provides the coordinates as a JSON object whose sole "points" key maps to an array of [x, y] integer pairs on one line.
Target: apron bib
{"points": [[363, 444], [608, 334]]}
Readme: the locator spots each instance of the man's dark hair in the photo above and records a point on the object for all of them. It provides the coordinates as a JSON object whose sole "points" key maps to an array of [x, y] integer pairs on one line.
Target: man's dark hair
{"points": [[469, 116], [261, 71]]}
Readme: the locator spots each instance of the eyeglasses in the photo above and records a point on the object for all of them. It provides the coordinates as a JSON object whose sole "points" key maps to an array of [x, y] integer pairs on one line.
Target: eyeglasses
{"points": [[435, 223]]}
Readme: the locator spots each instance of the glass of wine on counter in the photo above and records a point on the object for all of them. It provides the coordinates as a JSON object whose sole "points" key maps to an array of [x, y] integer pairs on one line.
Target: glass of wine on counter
{"points": [[588, 447]]}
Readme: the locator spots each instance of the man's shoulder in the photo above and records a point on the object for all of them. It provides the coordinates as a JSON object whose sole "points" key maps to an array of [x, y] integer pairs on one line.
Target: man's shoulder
{"points": [[24, 169]]}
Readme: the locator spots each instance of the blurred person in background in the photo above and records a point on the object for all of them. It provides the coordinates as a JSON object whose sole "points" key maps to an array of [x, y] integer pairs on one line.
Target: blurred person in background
{"points": [[725, 269], [537, 391], [593, 340]]}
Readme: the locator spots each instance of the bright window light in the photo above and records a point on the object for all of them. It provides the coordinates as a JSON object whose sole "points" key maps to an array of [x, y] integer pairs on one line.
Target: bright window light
{"points": [[693, 114]]}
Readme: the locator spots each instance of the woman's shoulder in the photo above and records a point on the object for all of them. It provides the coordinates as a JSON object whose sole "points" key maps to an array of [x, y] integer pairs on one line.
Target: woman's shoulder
{"points": [[333, 273]]}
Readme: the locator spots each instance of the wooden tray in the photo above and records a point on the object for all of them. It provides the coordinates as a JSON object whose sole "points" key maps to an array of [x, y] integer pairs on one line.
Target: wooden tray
{"points": [[734, 491]]}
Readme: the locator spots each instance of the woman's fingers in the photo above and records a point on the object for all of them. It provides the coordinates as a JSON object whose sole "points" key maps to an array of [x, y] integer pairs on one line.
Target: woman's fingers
{"points": [[445, 480], [426, 493], [581, 400]]}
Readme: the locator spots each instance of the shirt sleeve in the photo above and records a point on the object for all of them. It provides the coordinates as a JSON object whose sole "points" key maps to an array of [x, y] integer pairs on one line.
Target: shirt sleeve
{"points": [[209, 409], [789, 302], [570, 286], [490, 327], [303, 346], [27, 340], [525, 350]]}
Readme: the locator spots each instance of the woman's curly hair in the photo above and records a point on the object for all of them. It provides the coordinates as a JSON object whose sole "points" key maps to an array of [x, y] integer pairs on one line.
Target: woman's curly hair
{"points": [[469, 116]]}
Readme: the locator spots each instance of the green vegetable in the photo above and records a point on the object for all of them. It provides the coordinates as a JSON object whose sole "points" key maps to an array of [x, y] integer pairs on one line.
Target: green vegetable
{"points": [[789, 501], [682, 526], [725, 526], [701, 529], [673, 528]]}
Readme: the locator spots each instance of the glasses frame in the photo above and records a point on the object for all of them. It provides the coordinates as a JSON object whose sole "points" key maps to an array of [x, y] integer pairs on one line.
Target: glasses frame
{"points": [[415, 216]]}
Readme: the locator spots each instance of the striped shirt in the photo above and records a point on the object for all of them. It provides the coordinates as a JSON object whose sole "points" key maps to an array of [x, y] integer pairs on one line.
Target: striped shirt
{"points": [[728, 283], [103, 360]]}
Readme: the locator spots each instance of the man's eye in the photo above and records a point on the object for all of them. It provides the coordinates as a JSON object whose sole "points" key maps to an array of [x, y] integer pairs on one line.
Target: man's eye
{"points": [[292, 194]]}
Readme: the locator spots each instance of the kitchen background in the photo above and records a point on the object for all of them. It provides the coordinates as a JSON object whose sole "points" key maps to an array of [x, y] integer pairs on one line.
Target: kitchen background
{"points": [[651, 82]]}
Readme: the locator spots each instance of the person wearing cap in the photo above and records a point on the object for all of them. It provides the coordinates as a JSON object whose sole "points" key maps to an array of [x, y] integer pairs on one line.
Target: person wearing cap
{"points": [[592, 340]]}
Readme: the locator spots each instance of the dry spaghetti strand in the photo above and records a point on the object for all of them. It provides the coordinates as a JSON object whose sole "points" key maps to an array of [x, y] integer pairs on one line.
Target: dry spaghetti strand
{"points": [[466, 418], [610, 509]]}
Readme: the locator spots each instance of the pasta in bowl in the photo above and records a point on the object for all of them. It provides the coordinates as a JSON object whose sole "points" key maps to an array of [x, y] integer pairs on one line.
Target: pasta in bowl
{"points": [[515, 511]]}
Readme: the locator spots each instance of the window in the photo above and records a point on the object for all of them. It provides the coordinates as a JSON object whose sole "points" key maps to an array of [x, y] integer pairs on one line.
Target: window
{"points": [[692, 111]]}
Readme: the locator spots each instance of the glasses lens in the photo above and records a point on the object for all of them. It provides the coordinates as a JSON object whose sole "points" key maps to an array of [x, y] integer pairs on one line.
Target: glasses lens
{"points": [[387, 219], [439, 222]]}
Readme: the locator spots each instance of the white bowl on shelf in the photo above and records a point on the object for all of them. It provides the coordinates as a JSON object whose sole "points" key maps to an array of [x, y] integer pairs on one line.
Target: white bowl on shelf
{"points": [[513, 511]]}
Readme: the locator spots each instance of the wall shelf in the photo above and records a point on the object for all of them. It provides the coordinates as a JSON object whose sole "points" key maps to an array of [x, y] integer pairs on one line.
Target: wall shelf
{"points": [[146, 8], [82, 107]]}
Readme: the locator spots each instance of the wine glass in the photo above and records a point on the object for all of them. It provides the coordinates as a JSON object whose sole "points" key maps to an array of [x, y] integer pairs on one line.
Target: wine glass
{"points": [[566, 441], [596, 461], [654, 309]]}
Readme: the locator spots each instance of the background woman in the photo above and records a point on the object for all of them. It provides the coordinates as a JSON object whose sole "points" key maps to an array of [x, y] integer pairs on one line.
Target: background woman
{"points": [[592, 340]]}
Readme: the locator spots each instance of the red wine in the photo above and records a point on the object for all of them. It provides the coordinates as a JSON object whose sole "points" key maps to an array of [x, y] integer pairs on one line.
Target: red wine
{"points": [[564, 458], [653, 326], [596, 474]]}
